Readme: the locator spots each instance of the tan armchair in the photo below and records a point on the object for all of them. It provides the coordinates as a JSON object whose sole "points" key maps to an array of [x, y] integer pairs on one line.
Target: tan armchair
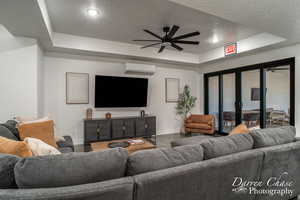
{"points": [[200, 124]]}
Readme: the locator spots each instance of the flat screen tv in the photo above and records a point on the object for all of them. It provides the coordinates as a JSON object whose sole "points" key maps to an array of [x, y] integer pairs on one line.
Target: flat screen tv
{"points": [[118, 92]]}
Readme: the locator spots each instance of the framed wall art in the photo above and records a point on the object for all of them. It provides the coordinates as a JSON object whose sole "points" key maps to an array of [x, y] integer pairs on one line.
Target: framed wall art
{"points": [[77, 88], [172, 89]]}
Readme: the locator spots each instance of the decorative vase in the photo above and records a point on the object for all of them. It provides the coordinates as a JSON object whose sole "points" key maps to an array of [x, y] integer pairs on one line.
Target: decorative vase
{"points": [[182, 128], [108, 115], [89, 113]]}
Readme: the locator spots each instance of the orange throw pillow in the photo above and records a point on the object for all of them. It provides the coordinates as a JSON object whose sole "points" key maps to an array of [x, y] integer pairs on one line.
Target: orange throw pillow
{"points": [[240, 129], [18, 148], [40, 130]]}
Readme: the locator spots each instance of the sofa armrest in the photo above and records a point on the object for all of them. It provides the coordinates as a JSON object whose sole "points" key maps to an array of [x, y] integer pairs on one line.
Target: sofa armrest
{"points": [[67, 143], [107, 190], [297, 139]]}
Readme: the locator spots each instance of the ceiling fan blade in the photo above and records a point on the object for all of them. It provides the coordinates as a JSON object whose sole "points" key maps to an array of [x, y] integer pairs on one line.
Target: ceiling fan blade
{"points": [[161, 49], [150, 45], [187, 35], [153, 34], [176, 47], [173, 31], [186, 42], [146, 40]]}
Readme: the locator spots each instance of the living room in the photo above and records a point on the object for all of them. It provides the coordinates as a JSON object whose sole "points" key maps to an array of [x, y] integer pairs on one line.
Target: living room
{"points": [[156, 86]]}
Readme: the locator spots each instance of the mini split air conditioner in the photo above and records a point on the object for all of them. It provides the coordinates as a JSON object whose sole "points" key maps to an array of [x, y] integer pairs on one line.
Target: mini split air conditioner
{"points": [[133, 68]]}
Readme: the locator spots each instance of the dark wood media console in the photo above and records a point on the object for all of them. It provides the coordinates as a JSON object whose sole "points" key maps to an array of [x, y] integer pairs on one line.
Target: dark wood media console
{"points": [[119, 128]]}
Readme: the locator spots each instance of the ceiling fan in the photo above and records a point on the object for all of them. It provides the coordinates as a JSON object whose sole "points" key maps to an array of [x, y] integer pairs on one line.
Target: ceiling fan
{"points": [[168, 39]]}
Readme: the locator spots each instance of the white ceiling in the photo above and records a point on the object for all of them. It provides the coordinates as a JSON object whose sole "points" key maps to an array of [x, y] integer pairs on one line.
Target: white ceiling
{"points": [[254, 24], [124, 20], [279, 17]]}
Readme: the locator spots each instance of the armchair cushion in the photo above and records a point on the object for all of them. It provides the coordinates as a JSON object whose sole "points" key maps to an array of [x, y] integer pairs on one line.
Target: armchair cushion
{"points": [[201, 118], [198, 126]]}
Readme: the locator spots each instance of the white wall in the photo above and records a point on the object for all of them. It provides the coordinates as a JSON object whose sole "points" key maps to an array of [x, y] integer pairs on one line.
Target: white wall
{"points": [[40, 82], [69, 118], [233, 62], [18, 77]]}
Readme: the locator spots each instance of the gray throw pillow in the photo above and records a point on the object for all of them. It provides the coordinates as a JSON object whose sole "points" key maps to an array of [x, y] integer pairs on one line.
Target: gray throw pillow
{"points": [[273, 136], [220, 146], [71, 169], [156, 159], [5, 132], [12, 126], [7, 164]]}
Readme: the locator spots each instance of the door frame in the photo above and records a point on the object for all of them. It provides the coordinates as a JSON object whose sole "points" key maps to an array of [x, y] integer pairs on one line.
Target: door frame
{"points": [[238, 89]]}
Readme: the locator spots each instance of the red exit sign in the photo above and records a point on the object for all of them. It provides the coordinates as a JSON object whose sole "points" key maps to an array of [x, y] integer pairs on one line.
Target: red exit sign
{"points": [[230, 49]]}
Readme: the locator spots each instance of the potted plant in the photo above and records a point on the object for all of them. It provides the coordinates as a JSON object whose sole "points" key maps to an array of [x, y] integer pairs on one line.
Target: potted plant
{"points": [[186, 102]]}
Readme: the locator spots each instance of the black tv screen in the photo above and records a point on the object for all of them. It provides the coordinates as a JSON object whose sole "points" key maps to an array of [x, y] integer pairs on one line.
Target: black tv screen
{"points": [[117, 92]]}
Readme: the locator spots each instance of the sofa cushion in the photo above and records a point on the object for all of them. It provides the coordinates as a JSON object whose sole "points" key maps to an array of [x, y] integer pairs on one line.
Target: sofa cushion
{"points": [[18, 148], [5, 132], [66, 142], [71, 168], [7, 164], [220, 146], [190, 140], [156, 159], [273, 136]]}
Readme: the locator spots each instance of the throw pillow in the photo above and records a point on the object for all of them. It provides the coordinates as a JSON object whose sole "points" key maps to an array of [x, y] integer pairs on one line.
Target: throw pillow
{"points": [[5, 132], [71, 168], [12, 126], [40, 130], [18, 148], [35, 120], [40, 148], [240, 129]]}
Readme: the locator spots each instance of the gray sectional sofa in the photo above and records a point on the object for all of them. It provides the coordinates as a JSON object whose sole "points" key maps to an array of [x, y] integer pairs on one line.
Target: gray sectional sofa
{"points": [[210, 169]]}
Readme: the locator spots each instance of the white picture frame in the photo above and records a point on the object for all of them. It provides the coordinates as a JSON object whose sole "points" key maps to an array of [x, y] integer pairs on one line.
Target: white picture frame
{"points": [[172, 89], [77, 88]]}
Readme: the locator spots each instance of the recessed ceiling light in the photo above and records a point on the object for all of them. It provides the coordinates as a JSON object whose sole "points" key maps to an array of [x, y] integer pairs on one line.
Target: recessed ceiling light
{"points": [[93, 12], [215, 39]]}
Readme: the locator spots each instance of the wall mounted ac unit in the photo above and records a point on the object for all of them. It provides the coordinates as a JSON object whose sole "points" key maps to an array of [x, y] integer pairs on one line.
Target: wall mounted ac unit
{"points": [[143, 69]]}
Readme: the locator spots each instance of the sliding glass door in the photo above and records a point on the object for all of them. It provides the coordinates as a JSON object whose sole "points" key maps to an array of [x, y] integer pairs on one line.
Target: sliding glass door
{"points": [[278, 96], [250, 98], [260, 95], [214, 99], [228, 111]]}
